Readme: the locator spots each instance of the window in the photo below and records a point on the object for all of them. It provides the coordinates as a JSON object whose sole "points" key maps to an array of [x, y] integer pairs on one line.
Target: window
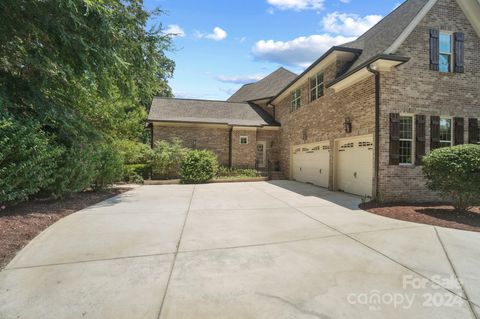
{"points": [[446, 52], [296, 97], [243, 139], [445, 132], [316, 87], [406, 140]]}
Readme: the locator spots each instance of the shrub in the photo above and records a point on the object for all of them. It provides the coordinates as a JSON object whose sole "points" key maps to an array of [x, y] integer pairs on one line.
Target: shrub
{"points": [[134, 152], [27, 159], [135, 173], [166, 159], [236, 172], [198, 166], [76, 170], [454, 172], [109, 166]]}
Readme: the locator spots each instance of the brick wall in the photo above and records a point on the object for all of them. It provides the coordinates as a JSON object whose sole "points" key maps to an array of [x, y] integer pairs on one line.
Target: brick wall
{"points": [[413, 88], [244, 155], [213, 139], [323, 118], [272, 145]]}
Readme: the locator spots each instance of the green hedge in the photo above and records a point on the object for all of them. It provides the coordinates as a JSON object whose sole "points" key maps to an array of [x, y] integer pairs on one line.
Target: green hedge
{"points": [[236, 172], [454, 172], [136, 173], [198, 166], [167, 158]]}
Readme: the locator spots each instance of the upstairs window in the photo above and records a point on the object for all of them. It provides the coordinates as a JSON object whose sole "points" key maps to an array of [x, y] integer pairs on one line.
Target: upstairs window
{"points": [[445, 132], [406, 140], [243, 139], [296, 98], [446, 52], [316, 87]]}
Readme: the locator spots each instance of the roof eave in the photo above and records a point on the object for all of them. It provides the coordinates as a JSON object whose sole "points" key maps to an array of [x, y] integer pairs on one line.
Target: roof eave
{"points": [[387, 57], [151, 121]]}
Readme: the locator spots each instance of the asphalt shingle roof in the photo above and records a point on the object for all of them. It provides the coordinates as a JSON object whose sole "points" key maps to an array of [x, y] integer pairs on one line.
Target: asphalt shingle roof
{"points": [[382, 35], [206, 111], [267, 87]]}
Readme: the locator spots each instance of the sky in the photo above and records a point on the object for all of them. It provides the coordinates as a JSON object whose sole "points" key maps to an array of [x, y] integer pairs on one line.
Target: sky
{"points": [[219, 45]]}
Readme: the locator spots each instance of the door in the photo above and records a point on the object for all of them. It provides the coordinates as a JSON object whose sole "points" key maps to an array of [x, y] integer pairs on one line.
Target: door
{"points": [[310, 163], [261, 154], [354, 165]]}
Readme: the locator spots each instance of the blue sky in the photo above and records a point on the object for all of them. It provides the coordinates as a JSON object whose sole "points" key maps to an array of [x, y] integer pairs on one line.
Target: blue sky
{"points": [[221, 44]]}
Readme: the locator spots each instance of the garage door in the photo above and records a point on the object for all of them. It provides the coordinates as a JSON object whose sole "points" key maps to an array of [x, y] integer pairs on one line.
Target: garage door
{"points": [[354, 165], [311, 163]]}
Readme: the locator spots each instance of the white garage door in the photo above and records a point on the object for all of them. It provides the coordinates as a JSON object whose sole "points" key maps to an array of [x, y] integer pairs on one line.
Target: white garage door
{"points": [[311, 163], [354, 165]]}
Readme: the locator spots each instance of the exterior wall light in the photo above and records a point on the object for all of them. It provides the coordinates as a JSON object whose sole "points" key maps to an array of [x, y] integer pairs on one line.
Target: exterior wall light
{"points": [[347, 125]]}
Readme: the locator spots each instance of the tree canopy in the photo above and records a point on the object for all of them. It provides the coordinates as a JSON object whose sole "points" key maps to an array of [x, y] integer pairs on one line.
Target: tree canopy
{"points": [[81, 71]]}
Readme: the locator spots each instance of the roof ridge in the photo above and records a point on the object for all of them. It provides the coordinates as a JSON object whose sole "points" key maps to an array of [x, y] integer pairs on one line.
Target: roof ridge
{"points": [[194, 99]]}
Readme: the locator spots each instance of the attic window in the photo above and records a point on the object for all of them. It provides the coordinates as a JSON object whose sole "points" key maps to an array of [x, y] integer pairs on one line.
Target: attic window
{"points": [[243, 139], [446, 52], [316, 87]]}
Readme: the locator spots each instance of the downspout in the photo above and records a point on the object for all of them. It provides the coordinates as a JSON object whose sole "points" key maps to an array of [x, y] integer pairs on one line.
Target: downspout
{"points": [[151, 135], [377, 126], [230, 138]]}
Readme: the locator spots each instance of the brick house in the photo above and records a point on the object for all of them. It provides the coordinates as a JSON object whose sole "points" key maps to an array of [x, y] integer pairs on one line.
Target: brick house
{"points": [[362, 116]]}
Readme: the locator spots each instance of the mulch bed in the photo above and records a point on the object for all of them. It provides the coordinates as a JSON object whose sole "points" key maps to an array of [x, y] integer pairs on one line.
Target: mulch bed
{"points": [[21, 223], [437, 214]]}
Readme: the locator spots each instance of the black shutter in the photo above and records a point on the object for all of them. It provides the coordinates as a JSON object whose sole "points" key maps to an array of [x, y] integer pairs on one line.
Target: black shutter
{"points": [[394, 138], [473, 131], [419, 138], [458, 131], [434, 132], [459, 53], [434, 49]]}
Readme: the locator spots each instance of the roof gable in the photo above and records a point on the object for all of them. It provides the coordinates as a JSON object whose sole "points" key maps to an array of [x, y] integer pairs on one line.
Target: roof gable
{"points": [[265, 88]]}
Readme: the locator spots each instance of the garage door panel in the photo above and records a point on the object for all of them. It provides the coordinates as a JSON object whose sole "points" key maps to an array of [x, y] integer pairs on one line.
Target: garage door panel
{"points": [[311, 163], [354, 165]]}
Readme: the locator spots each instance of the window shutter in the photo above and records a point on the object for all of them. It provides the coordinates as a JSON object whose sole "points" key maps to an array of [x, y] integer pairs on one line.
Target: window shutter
{"points": [[459, 53], [458, 130], [434, 49], [419, 138], [434, 132], [473, 131], [394, 138]]}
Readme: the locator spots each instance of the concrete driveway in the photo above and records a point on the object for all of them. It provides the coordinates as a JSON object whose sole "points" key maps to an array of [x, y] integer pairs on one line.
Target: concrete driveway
{"points": [[248, 250]]}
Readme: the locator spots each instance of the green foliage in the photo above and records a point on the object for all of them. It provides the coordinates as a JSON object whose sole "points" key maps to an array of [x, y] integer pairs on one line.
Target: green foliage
{"points": [[454, 172], [135, 173], [226, 172], [27, 159], [83, 72], [110, 167], [166, 159], [198, 166], [134, 152]]}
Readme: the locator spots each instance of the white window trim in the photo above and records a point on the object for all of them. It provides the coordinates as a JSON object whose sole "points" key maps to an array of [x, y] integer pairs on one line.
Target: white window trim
{"points": [[412, 139], [451, 129], [243, 137], [296, 100], [450, 33], [317, 85]]}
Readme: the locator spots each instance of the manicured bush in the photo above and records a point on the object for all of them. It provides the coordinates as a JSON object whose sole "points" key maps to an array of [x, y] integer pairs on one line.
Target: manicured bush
{"points": [[109, 166], [224, 172], [198, 166], [135, 173], [134, 152], [454, 172], [27, 159], [166, 159]]}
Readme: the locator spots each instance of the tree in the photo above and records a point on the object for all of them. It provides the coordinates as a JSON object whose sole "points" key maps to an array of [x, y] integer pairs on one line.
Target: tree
{"points": [[84, 71]]}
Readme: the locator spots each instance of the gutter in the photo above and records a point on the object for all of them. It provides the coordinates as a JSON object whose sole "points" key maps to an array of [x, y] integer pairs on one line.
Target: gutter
{"points": [[377, 125]]}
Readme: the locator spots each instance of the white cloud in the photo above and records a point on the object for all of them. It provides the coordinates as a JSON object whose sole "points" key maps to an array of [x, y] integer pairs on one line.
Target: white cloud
{"points": [[301, 51], [297, 5], [348, 23], [218, 34], [174, 30], [240, 79], [345, 1]]}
